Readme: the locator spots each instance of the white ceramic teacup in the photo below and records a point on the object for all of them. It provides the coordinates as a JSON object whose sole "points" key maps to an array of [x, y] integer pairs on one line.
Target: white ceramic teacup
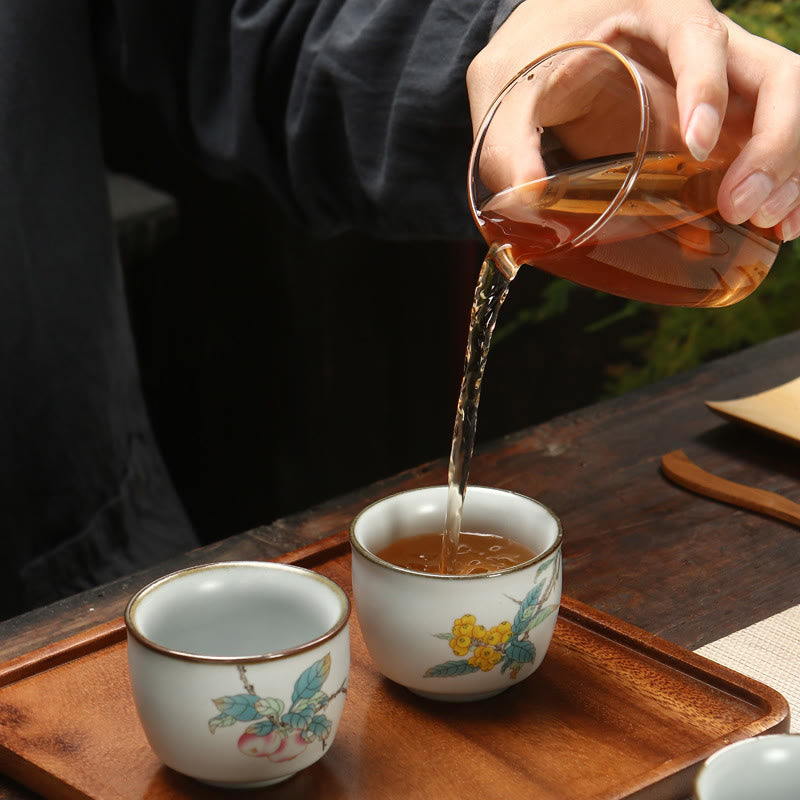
{"points": [[239, 669], [760, 767], [457, 637]]}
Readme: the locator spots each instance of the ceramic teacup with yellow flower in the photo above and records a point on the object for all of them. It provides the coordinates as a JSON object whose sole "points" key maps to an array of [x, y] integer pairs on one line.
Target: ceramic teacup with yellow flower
{"points": [[463, 636]]}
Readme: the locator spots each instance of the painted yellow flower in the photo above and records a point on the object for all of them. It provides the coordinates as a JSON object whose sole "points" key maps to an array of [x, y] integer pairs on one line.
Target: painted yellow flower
{"points": [[463, 625], [487, 642], [460, 645], [504, 629], [484, 658], [499, 634], [493, 637]]}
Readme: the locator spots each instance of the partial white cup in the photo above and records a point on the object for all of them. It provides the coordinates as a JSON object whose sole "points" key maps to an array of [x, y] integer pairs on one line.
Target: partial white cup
{"points": [[765, 767], [239, 669], [457, 637]]}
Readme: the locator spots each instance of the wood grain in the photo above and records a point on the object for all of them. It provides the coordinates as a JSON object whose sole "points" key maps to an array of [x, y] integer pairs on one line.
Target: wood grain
{"points": [[613, 712]]}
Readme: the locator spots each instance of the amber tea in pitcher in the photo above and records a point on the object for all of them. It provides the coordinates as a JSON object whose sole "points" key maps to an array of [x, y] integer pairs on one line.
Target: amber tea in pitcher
{"points": [[665, 243]]}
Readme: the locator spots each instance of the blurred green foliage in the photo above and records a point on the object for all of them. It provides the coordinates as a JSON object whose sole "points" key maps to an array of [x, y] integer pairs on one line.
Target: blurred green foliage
{"points": [[673, 339], [685, 337], [778, 21]]}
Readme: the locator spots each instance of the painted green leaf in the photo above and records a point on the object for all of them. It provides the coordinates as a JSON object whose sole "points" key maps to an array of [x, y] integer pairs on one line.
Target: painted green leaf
{"points": [[269, 706], [317, 700], [526, 610], [320, 727], [310, 681], [449, 669], [447, 636], [240, 706], [298, 719], [533, 596], [545, 564], [540, 616], [220, 721], [262, 727], [520, 651]]}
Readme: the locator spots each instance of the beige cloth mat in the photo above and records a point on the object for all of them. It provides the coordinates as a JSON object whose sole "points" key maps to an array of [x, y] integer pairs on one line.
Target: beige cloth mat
{"points": [[769, 652]]}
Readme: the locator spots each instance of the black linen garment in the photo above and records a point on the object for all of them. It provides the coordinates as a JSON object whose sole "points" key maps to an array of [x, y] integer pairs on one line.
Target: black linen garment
{"points": [[353, 114], [84, 495], [350, 113]]}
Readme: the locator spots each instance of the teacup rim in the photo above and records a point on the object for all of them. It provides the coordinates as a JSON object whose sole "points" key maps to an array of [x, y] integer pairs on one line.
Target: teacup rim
{"points": [[540, 557], [340, 624], [739, 744]]}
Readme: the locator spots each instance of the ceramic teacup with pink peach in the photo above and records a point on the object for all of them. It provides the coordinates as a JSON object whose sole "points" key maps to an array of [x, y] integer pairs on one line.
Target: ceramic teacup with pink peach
{"points": [[239, 670]]}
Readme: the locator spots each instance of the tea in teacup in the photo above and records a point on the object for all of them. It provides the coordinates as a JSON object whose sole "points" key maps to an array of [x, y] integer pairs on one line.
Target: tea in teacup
{"points": [[476, 553]]}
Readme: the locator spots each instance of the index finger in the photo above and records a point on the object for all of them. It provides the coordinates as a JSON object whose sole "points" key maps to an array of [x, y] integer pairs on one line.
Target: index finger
{"points": [[696, 45]]}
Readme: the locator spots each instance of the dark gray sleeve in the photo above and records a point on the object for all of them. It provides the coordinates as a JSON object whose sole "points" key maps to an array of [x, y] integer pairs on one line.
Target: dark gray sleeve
{"points": [[352, 113]]}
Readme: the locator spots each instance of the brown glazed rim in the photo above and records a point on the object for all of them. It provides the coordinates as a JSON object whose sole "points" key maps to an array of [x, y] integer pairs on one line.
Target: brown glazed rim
{"points": [[356, 545], [135, 601]]}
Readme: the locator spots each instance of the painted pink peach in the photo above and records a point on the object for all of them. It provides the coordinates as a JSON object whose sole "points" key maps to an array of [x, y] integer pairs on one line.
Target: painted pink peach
{"points": [[259, 746], [289, 748]]}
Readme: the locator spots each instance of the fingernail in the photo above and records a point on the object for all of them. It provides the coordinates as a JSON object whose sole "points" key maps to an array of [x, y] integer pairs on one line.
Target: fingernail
{"points": [[790, 229], [749, 195], [778, 205], [702, 131]]}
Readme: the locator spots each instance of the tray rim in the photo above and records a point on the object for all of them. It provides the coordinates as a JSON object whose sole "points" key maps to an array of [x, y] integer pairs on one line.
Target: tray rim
{"points": [[775, 712]]}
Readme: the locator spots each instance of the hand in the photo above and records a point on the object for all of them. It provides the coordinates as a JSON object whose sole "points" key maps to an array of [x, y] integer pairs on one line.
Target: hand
{"points": [[716, 65]]}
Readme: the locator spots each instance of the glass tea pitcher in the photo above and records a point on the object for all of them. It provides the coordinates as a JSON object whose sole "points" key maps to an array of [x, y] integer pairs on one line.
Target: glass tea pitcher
{"points": [[579, 169]]}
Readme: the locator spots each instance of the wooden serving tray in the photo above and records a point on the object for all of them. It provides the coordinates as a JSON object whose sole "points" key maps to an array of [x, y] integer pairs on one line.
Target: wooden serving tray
{"points": [[613, 712]]}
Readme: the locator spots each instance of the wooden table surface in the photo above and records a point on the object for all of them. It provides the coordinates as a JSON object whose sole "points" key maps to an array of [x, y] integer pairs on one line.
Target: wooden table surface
{"points": [[635, 545]]}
